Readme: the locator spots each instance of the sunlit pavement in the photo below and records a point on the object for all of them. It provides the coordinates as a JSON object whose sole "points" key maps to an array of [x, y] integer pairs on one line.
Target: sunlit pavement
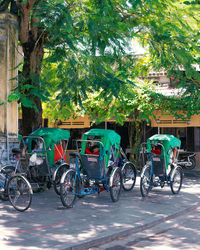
{"points": [[162, 221]]}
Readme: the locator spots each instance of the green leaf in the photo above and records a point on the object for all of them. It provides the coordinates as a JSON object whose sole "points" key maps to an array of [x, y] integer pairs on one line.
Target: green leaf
{"points": [[26, 102], [15, 96]]}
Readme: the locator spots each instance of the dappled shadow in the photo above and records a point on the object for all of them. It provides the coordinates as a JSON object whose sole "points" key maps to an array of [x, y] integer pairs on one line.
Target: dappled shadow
{"points": [[47, 225], [182, 233]]}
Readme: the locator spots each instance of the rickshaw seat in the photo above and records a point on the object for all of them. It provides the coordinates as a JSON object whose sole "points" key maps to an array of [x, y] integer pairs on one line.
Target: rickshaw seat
{"points": [[158, 165], [156, 151], [87, 151], [93, 165]]}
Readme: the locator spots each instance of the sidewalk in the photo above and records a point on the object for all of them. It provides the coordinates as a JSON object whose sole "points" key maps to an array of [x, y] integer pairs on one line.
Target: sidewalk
{"points": [[93, 219]]}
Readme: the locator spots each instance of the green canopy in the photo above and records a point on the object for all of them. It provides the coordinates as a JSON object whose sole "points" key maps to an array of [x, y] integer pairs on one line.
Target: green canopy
{"points": [[106, 136], [50, 136], [168, 141], [109, 134]]}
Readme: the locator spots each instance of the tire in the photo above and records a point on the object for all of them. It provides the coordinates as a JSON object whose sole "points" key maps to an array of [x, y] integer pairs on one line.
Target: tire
{"points": [[3, 181], [4, 196], [193, 162], [115, 184], [67, 188], [129, 174], [3, 171], [145, 181], [19, 192], [176, 180], [7, 168], [57, 177]]}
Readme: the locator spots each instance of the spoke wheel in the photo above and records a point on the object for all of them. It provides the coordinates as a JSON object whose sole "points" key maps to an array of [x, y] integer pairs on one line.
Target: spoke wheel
{"points": [[67, 188], [145, 181], [176, 180], [128, 176], [116, 184], [57, 177], [5, 170], [19, 192]]}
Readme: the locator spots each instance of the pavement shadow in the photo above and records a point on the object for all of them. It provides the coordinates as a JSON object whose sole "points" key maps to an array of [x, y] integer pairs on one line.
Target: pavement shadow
{"points": [[48, 225]]}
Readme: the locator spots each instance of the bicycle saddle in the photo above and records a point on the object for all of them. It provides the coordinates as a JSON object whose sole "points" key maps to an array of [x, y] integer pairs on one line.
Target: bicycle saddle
{"points": [[16, 150], [74, 154]]}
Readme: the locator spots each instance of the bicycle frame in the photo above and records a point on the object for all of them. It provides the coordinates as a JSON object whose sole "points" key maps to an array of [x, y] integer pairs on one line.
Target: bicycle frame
{"points": [[80, 177], [149, 162], [84, 190]]}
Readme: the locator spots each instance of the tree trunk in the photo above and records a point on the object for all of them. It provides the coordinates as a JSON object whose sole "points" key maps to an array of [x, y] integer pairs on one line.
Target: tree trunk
{"points": [[135, 139], [32, 117], [32, 40]]}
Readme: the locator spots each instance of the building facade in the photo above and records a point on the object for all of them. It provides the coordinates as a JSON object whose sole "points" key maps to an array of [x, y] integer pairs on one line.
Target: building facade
{"points": [[8, 81]]}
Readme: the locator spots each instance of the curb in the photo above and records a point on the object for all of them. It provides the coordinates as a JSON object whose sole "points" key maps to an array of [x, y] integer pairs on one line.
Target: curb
{"points": [[128, 232]]}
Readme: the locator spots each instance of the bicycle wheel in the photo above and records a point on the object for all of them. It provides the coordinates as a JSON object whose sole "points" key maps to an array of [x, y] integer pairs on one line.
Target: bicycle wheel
{"points": [[7, 169], [115, 184], [176, 180], [57, 177], [128, 176], [191, 164], [19, 192], [67, 188], [4, 172], [145, 181]]}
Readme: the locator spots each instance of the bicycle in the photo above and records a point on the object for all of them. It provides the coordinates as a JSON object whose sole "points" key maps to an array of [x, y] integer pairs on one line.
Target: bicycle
{"points": [[14, 186]]}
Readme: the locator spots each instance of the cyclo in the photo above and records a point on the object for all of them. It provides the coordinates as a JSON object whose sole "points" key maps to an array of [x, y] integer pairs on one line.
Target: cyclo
{"points": [[160, 153], [45, 157], [97, 168]]}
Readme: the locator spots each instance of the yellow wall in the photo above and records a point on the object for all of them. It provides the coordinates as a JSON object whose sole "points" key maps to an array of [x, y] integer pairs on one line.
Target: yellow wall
{"points": [[159, 121], [8, 63], [80, 122], [171, 121]]}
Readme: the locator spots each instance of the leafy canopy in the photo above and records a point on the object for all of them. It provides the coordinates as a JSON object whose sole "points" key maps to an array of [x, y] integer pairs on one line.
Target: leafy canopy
{"points": [[87, 49]]}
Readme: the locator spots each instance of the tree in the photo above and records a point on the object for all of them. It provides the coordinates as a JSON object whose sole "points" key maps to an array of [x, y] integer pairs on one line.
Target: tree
{"points": [[137, 104], [87, 42]]}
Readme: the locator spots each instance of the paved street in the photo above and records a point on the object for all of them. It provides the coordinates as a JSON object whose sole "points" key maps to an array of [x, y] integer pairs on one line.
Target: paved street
{"points": [[181, 232], [160, 221]]}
